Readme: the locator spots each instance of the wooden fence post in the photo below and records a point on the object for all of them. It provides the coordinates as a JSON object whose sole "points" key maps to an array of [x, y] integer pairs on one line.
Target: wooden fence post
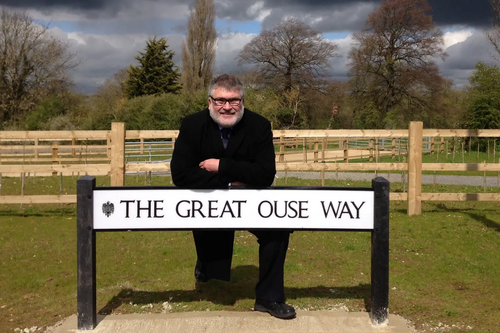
{"points": [[415, 137], [108, 145], [316, 151], [282, 149], [55, 153], [304, 150], [324, 147], [393, 156], [1, 164], [346, 150], [370, 149], [117, 141], [36, 149], [73, 144]]}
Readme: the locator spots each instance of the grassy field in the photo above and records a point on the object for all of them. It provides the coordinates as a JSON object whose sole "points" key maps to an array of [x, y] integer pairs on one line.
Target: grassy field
{"points": [[444, 265]]}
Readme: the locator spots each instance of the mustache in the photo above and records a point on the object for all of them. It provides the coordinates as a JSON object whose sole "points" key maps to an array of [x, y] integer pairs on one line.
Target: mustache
{"points": [[232, 111]]}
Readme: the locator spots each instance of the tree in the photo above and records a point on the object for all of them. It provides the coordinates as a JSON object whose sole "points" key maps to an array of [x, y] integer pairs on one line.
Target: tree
{"points": [[484, 103], [198, 51], [33, 63], [392, 63], [155, 73], [108, 101], [494, 34], [112, 93], [115, 86], [446, 107], [292, 53]]}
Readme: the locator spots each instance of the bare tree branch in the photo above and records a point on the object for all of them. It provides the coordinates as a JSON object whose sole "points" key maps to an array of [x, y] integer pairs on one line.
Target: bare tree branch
{"points": [[494, 34], [290, 53], [33, 63], [198, 51], [393, 58]]}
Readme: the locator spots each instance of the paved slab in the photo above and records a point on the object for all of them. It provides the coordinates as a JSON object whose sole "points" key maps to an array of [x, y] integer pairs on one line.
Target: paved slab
{"points": [[239, 322]]}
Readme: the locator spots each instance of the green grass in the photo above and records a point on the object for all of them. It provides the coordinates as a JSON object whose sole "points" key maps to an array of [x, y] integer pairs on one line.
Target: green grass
{"points": [[67, 185], [444, 265]]}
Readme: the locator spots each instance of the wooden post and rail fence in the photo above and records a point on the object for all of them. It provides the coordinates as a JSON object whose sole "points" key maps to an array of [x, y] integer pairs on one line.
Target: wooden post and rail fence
{"points": [[118, 151]]}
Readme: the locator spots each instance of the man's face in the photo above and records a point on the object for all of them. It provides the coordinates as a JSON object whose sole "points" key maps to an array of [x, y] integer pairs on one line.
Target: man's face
{"points": [[222, 108]]}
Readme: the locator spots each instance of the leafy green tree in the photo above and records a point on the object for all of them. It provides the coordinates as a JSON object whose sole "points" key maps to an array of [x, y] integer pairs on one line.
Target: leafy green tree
{"points": [[484, 103], [156, 72], [48, 108]]}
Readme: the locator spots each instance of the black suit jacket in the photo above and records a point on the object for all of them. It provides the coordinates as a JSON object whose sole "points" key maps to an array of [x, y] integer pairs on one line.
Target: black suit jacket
{"points": [[249, 158]]}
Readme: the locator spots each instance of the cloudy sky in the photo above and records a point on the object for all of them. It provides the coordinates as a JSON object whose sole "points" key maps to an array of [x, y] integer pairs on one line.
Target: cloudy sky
{"points": [[108, 34]]}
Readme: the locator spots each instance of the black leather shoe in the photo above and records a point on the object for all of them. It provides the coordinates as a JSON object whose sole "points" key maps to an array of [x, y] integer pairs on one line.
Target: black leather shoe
{"points": [[199, 272], [276, 309]]}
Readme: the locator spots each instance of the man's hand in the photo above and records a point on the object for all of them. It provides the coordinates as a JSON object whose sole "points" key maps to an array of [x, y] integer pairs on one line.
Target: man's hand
{"points": [[211, 165]]}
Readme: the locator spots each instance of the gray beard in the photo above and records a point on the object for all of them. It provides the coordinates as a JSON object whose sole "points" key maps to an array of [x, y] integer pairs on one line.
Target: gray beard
{"points": [[214, 117]]}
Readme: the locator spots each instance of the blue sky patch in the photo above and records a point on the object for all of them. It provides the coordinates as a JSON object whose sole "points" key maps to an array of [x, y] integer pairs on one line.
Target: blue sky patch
{"points": [[224, 26]]}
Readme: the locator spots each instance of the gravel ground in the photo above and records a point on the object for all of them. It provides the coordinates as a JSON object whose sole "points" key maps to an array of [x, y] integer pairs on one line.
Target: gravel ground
{"points": [[395, 178]]}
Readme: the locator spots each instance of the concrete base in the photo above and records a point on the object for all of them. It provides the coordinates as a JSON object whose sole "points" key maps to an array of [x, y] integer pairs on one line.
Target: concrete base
{"points": [[239, 322]]}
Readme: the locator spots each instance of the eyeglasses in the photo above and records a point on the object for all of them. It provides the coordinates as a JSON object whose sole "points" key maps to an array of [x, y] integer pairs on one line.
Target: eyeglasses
{"points": [[223, 101]]}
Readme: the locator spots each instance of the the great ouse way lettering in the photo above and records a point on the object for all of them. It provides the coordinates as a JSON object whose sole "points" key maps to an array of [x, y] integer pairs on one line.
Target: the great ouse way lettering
{"points": [[215, 209]]}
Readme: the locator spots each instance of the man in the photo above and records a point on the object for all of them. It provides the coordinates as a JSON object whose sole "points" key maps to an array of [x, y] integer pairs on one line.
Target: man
{"points": [[228, 145]]}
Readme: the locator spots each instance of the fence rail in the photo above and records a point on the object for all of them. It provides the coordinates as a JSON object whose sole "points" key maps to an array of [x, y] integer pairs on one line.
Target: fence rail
{"points": [[117, 152]]}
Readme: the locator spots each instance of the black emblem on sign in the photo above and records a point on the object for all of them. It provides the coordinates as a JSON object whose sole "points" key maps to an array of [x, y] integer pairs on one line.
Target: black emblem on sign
{"points": [[108, 208]]}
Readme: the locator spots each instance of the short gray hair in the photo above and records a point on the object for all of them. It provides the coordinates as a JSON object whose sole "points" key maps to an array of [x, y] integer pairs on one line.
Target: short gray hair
{"points": [[226, 82]]}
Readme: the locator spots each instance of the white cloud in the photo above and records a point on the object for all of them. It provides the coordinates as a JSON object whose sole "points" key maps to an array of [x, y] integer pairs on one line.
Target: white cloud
{"points": [[55, 15], [339, 62], [463, 57], [101, 56], [257, 11], [455, 37], [229, 42], [108, 40], [76, 37], [104, 55], [145, 9], [154, 9], [228, 48]]}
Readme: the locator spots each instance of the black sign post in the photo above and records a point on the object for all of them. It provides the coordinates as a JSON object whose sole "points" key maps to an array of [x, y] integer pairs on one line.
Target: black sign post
{"points": [[86, 248], [86, 254], [380, 252]]}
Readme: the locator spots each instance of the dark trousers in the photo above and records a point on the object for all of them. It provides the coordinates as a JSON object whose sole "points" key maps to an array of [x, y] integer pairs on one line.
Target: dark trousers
{"points": [[215, 249]]}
